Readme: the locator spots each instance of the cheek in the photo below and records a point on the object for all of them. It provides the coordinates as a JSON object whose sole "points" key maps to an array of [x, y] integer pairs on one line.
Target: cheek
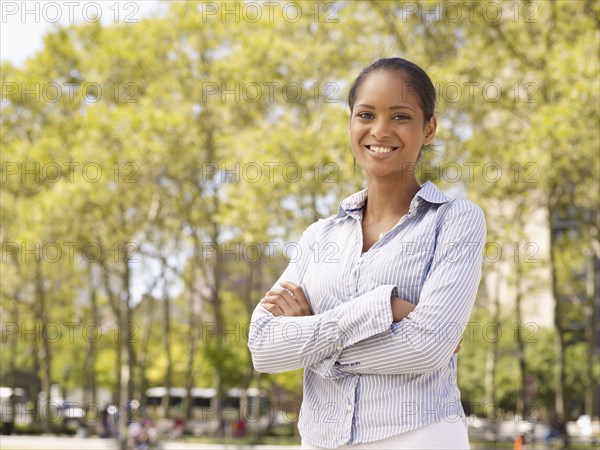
{"points": [[351, 134], [355, 132]]}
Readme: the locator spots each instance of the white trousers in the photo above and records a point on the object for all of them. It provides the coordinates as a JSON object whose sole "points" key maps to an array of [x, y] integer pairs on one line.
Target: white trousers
{"points": [[443, 435]]}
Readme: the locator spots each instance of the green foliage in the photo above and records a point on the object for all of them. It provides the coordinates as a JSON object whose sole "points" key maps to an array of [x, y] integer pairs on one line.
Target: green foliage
{"points": [[162, 109]]}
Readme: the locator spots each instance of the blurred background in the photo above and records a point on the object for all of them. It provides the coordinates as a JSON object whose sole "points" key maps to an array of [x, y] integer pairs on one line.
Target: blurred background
{"points": [[161, 159]]}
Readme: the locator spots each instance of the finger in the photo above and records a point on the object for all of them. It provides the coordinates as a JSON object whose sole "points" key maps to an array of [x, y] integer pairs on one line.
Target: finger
{"points": [[306, 309], [297, 293], [458, 346], [296, 290], [273, 309], [287, 298], [283, 292], [273, 300], [282, 303], [299, 296]]}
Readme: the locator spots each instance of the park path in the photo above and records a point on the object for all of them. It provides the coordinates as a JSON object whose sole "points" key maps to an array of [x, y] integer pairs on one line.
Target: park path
{"points": [[76, 443]]}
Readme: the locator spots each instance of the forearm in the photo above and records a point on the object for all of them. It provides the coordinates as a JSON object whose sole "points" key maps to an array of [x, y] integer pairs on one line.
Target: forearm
{"points": [[427, 338], [328, 367], [406, 349], [423, 341], [279, 343]]}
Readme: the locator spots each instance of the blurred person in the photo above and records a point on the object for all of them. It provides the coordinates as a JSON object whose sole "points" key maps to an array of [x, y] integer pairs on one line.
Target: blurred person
{"points": [[558, 430], [178, 428], [8, 414], [375, 304], [151, 432], [104, 429]]}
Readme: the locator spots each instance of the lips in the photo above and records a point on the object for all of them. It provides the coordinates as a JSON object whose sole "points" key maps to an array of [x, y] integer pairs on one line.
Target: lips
{"points": [[381, 148]]}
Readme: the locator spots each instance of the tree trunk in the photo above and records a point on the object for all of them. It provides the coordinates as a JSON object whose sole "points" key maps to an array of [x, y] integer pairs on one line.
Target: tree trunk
{"points": [[522, 398], [215, 300], [492, 355], [166, 401], [13, 341], [143, 359], [90, 388], [592, 397], [116, 308], [194, 306], [127, 333], [250, 303], [122, 374], [44, 355], [559, 344], [129, 330], [192, 312], [596, 326]]}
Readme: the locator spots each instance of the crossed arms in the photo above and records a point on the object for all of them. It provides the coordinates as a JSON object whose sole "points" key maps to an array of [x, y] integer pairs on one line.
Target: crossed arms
{"points": [[375, 333]]}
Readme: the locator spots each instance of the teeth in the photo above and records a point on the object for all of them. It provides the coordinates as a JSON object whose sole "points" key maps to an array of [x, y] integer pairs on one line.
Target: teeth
{"points": [[381, 149]]}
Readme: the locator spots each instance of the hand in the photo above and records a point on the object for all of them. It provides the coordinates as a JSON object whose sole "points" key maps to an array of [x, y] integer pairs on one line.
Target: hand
{"points": [[401, 308], [458, 346], [289, 301]]}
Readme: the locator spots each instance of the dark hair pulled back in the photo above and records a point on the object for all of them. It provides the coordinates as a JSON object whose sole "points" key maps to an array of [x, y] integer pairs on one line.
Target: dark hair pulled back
{"points": [[418, 80]]}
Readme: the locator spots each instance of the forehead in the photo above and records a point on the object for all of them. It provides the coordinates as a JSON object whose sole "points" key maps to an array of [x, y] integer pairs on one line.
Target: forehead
{"points": [[387, 88]]}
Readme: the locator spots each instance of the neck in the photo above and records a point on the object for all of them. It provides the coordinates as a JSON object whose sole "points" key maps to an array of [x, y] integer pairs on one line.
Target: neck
{"points": [[389, 199]]}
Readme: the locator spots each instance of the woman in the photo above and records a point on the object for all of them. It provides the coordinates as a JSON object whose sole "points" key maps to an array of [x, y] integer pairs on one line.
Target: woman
{"points": [[376, 302]]}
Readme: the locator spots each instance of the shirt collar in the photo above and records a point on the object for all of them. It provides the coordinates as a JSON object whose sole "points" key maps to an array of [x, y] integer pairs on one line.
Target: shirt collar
{"points": [[353, 205]]}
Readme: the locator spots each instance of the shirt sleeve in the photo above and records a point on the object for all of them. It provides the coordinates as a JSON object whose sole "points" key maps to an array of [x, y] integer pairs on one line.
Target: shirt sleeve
{"points": [[426, 339], [279, 343]]}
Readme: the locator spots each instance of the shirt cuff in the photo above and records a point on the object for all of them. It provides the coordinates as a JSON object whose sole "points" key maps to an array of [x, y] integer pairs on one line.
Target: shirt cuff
{"points": [[365, 316]]}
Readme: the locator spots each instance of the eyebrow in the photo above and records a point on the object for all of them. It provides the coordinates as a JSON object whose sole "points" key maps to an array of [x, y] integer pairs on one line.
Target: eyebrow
{"points": [[364, 105]]}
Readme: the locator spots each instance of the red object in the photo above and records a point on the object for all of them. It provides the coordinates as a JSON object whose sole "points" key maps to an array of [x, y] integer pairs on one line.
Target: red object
{"points": [[518, 443]]}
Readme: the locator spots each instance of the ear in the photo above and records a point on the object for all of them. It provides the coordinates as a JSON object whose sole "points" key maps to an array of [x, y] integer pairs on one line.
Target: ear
{"points": [[430, 128]]}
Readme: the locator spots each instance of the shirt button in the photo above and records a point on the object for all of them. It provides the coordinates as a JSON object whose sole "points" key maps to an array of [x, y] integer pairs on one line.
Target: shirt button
{"points": [[340, 348], [349, 408]]}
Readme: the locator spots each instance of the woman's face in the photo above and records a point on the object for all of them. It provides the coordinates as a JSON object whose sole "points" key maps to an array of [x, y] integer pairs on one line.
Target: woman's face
{"points": [[387, 126]]}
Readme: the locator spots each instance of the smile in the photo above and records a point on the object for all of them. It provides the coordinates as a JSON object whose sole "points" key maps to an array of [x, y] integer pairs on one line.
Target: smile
{"points": [[379, 149]]}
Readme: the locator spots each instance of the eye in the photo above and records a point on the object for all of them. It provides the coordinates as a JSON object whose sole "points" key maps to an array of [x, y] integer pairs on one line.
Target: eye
{"points": [[401, 117], [365, 115]]}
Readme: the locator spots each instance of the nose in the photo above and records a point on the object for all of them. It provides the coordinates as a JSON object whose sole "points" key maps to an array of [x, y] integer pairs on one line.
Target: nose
{"points": [[380, 129]]}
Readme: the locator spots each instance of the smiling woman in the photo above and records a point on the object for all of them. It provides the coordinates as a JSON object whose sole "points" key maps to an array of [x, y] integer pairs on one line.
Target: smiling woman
{"points": [[378, 327], [389, 127]]}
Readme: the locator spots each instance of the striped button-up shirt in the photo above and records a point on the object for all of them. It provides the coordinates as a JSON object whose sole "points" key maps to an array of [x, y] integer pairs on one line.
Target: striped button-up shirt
{"points": [[367, 377]]}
